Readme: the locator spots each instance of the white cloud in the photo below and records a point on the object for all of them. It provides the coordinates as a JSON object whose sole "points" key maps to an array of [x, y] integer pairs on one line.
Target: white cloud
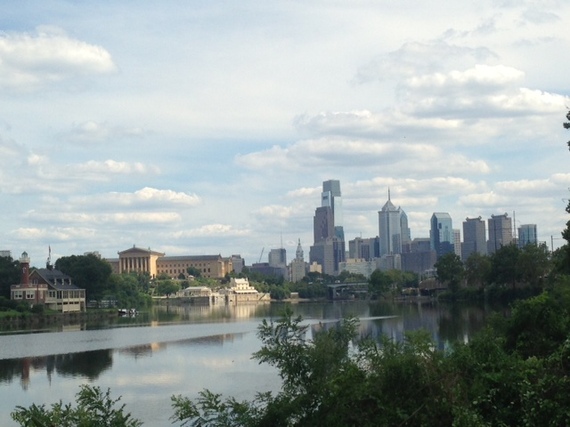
{"points": [[212, 230], [48, 55], [92, 131]]}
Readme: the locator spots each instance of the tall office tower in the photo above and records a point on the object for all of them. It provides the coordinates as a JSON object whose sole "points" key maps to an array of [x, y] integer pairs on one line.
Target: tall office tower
{"points": [[500, 232], [298, 268], [441, 233], [457, 242], [406, 233], [323, 224], [527, 235], [328, 249], [474, 239], [278, 257], [331, 197], [393, 228]]}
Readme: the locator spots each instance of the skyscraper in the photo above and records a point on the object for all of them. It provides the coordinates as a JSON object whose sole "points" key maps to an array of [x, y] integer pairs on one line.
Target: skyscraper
{"points": [[331, 197], [328, 247], [393, 228], [441, 233], [527, 235], [500, 232], [474, 239]]}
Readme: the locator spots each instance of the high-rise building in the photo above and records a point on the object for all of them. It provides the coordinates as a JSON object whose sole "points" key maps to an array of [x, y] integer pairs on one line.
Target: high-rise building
{"points": [[474, 239], [527, 235], [328, 249], [331, 197], [393, 228], [366, 249], [441, 233], [323, 224], [457, 242], [500, 232], [278, 257]]}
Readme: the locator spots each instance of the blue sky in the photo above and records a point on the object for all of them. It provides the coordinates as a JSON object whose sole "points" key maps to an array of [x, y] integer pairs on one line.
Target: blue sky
{"points": [[208, 127]]}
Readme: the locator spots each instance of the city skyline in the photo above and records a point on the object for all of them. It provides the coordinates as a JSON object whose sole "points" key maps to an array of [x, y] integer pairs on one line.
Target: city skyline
{"points": [[209, 127]]}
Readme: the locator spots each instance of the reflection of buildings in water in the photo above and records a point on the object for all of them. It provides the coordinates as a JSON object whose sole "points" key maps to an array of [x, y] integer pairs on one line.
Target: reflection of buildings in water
{"points": [[88, 364], [148, 349], [244, 310], [142, 350]]}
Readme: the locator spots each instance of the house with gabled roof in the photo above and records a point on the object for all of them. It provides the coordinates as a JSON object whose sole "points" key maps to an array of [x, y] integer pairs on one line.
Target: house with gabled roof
{"points": [[49, 287]]}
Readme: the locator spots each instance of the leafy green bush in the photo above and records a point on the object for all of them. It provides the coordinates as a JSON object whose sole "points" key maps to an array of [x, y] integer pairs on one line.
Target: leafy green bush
{"points": [[94, 409]]}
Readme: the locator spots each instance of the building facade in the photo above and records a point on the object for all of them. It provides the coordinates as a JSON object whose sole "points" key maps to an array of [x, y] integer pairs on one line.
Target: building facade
{"points": [[139, 260], [298, 267], [393, 230], [441, 233], [527, 235], [474, 238], [500, 228], [49, 287]]}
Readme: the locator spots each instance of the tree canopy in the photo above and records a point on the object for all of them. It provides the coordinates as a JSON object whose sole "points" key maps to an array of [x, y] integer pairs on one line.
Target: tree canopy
{"points": [[88, 272], [9, 275]]}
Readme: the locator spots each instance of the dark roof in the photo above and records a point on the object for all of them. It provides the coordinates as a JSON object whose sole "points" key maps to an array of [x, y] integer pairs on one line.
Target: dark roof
{"points": [[56, 279]]}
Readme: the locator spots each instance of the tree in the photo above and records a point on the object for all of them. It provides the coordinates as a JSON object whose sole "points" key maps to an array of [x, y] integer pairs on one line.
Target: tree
{"points": [[533, 264], [193, 271], [10, 272], [450, 271], [477, 270], [565, 258], [88, 272], [504, 265], [93, 409], [167, 287], [379, 283]]}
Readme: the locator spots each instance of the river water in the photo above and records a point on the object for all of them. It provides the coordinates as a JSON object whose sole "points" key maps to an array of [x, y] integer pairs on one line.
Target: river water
{"points": [[172, 350]]}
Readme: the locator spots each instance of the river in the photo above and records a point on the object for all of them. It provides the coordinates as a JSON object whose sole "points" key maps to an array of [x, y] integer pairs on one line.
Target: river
{"points": [[172, 350]]}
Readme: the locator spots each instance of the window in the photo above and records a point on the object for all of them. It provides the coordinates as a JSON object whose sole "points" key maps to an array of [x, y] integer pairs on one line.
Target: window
{"points": [[17, 294], [30, 295]]}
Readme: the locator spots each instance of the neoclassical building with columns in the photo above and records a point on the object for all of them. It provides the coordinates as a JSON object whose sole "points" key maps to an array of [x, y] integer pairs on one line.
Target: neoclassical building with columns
{"points": [[154, 263]]}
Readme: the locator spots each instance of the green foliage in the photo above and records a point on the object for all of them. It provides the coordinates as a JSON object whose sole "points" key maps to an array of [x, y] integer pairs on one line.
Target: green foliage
{"points": [[504, 265], [193, 271], [313, 290], [87, 272], [379, 283], [516, 372], [450, 271], [93, 409], [128, 289], [477, 270], [9, 275], [166, 287], [533, 264]]}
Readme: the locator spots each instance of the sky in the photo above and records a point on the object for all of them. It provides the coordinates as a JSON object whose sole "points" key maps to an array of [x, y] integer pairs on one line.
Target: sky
{"points": [[208, 127]]}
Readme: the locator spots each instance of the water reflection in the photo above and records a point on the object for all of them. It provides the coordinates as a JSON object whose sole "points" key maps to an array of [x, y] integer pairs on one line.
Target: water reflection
{"points": [[183, 349], [88, 365]]}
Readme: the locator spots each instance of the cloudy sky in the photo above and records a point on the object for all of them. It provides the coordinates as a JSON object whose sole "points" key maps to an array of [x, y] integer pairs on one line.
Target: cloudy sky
{"points": [[206, 127]]}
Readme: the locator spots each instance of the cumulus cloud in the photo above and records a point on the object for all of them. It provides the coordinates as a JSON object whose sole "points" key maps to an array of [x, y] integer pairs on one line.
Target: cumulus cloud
{"points": [[29, 60], [416, 58], [102, 170], [327, 152]]}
